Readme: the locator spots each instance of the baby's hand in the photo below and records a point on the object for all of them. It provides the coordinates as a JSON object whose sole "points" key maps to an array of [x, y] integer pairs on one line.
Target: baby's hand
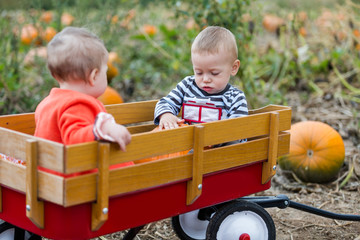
{"points": [[169, 121], [118, 133], [121, 135]]}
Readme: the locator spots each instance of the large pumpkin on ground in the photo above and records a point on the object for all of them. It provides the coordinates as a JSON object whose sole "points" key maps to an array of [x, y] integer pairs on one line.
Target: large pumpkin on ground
{"points": [[316, 154]]}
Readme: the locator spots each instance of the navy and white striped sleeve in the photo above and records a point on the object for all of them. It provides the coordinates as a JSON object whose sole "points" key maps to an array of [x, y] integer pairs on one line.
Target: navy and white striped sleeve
{"points": [[171, 103], [239, 106]]}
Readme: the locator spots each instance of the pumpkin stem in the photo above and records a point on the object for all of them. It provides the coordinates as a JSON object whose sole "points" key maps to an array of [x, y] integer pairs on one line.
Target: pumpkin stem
{"points": [[310, 153]]}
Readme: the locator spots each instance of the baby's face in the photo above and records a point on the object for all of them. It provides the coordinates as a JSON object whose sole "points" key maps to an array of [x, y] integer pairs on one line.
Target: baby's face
{"points": [[213, 71]]}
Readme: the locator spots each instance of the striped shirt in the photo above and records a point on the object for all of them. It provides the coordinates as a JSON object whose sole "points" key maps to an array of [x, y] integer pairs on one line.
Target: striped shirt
{"points": [[231, 100]]}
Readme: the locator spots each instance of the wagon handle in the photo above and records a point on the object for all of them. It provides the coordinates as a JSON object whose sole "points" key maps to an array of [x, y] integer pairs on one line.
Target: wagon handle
{"points": [[269, 167], [194, 185], [34, 207], [101, 207], [282, 201]]}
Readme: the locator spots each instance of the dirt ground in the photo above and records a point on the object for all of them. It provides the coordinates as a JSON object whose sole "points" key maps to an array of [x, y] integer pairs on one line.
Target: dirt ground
{"points": [[292, 224]]}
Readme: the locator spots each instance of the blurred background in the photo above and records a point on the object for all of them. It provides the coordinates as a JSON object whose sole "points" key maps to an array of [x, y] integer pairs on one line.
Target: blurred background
{"points": [[297, 53]]}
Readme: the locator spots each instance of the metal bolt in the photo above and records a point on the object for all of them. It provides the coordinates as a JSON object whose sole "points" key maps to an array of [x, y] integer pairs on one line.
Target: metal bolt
{"points": [[105, 210], [200, 186], [274, 167], [28, 208]]}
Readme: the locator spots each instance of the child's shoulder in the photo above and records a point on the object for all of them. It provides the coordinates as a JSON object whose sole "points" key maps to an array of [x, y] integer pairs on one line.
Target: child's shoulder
{"points": [[235, 90]]}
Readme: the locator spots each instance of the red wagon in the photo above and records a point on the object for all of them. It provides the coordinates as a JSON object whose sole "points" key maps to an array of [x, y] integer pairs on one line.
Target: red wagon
{"points": [[91, 197]]}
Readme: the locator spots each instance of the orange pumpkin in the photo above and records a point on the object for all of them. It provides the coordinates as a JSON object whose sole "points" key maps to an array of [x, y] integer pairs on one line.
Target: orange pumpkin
{"points": [[46, 17], [149, 29], [110, 96], [317, 152], [48, 34], [272, 22], [67, 19], [29, 34], [165, 155], [112, 71]]}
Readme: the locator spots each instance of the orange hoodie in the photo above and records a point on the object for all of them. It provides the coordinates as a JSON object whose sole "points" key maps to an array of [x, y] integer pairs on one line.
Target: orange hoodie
{"points": [[67, 116]]}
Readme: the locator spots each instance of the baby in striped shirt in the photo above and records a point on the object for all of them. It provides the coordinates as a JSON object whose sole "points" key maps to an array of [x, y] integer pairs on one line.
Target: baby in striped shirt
{"points": [[207, 95]]}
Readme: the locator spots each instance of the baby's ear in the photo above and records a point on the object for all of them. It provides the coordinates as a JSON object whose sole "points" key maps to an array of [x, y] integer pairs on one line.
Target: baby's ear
{"points": [[92, 76], [235, 67]]}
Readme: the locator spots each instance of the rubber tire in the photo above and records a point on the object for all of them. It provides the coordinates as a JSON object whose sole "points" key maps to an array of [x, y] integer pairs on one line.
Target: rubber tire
{"points": [[239, 206]]}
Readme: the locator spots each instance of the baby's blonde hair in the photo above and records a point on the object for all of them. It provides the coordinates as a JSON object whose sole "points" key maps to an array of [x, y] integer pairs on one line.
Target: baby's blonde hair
{"points": [[214, 39], [74, 52]]}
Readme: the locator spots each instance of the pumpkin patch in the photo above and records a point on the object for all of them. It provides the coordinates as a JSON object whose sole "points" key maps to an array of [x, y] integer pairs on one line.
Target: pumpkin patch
{"points": [[317, 152]]}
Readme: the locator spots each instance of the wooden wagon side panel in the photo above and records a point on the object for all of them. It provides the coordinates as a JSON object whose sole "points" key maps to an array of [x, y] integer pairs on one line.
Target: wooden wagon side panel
{"points": [[139, 177], [82, 157], [51, 187], [51, 154], [24, 123]]}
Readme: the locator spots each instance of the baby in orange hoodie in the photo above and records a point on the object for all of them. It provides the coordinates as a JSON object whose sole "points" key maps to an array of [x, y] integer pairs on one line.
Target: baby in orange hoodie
{"points": [[72, 114]]}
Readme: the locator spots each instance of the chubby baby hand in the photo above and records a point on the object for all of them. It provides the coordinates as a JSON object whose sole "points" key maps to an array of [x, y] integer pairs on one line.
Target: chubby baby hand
{"points": [[169, 121]]}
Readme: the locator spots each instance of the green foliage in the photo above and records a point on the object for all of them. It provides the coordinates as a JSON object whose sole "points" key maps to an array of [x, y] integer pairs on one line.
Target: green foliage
{"points": [[152, 62]]}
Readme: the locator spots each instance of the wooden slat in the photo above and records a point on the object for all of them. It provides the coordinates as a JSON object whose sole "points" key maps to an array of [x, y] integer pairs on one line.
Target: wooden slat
{"points": [[135, 112], [81, 157], [194, 185], [24, 123], [269, 167], [13, 144], [249, 126], [124, 113], [269, 108], [141, 128], [99, 212], [51, 187], [34, 207], [165, 171]]}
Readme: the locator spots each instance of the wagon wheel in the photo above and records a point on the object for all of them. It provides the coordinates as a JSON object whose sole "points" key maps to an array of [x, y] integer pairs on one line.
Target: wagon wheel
{"points": [[193, 225], [241, 220], [9, 231]]}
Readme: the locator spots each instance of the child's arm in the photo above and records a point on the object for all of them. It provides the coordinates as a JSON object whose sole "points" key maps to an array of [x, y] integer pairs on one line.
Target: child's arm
{"points": [[81, 123], [169, 121], [172, 103], [239, 106], [106, 128]]}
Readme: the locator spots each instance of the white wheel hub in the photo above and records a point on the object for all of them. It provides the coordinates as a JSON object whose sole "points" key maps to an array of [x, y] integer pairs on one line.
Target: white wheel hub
{"points": [[193, 226], [245, 222]]}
